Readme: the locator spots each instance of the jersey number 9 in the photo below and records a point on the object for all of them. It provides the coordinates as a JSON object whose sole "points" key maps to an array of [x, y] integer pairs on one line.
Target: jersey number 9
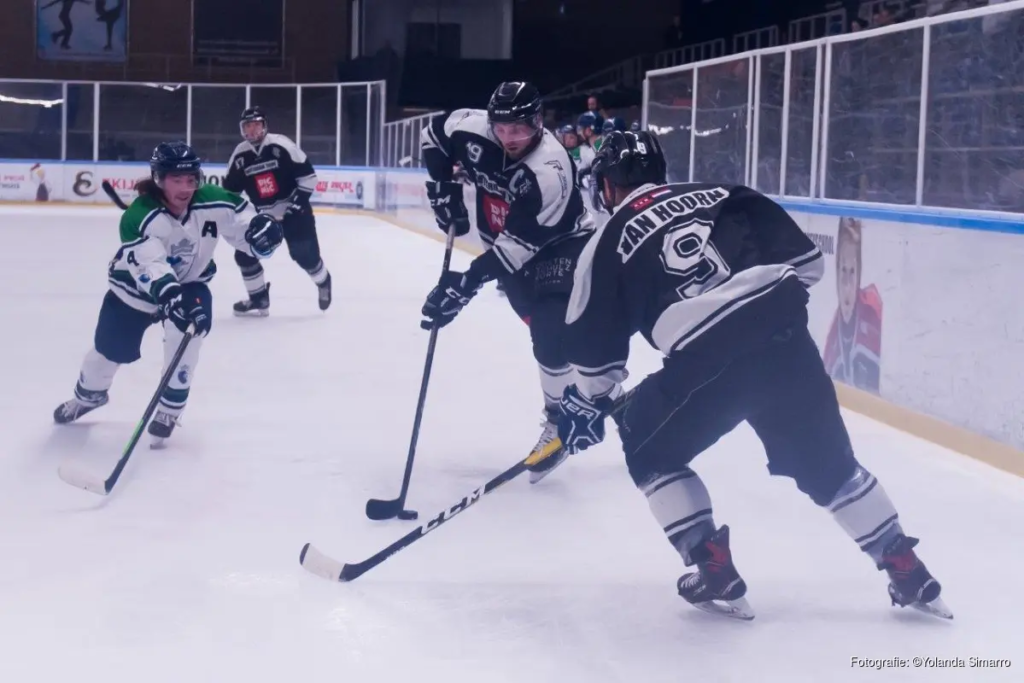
{"points": [[689, 255]]}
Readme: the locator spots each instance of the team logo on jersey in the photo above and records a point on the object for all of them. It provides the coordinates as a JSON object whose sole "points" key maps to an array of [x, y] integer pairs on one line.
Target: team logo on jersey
{"points": [[485, 183], [520, 184], [646, 223], [179, 251], [266, 185], [256, 169]]}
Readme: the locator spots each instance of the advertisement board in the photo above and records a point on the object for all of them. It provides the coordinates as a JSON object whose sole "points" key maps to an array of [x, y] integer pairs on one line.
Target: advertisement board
{"points": [[31, 181]]}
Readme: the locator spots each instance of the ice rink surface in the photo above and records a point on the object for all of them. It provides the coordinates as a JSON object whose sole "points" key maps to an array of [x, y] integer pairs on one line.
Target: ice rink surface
{"points": [[189, 570]]}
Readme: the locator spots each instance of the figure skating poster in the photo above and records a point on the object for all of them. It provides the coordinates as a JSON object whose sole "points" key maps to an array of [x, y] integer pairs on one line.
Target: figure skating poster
{"points": [[82, 30]]}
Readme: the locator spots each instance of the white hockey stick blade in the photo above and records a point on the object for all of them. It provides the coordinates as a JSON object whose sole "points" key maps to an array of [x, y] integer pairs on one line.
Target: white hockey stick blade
{"points": [[314, 561], [79, 479]]}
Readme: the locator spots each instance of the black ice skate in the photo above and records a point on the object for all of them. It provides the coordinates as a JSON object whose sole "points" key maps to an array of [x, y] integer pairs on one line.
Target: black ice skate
{"points": [[547, 435], [257, 305], [161, 428], [69, 411], [910, 582], [716, 587], [324, 290]]}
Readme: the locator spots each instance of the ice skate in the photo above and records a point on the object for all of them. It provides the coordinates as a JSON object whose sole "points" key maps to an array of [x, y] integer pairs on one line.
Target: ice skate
{"points": [[324, 290], [69, 411], [258, 304], [547, 435], [161, 428], [716, 587], [910, 582]]}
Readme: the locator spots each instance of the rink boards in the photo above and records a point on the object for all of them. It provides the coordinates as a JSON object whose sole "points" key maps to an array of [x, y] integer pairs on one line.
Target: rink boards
{"points": [[917, 316]]}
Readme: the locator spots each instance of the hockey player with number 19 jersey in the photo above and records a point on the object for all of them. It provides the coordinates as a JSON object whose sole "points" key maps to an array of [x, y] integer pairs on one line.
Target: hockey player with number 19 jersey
{"points": [[530, 215], [716, 278]]}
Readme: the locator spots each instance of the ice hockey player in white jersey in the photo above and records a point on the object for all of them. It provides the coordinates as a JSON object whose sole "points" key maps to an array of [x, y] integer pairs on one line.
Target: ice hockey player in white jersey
{"points": [[279, 180], [716, 278], [530, 216], [159, 274]]}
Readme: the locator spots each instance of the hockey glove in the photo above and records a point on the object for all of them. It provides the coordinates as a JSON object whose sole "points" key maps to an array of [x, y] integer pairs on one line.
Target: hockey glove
{"points": [[449, 297], [298, 204], [264, 235], [446, 201], [581, 424], [182, 311]]}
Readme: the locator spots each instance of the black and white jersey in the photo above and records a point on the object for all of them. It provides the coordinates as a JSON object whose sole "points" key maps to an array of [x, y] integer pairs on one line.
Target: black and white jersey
{"points": [[270, 174], [523, 205], [698, 269]]}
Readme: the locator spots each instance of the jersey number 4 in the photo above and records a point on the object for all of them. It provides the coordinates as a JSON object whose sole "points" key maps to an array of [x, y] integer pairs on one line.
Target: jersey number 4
{"points": [[689, 255]]}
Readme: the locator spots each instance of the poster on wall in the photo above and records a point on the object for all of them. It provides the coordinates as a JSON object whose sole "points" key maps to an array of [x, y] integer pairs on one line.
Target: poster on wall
{"points": [[853, 344], [82, 30], [220, 36]]}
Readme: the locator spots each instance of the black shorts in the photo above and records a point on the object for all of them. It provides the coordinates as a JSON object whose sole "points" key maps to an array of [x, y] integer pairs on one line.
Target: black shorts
{"points": [[781, 389], [120, 328]]}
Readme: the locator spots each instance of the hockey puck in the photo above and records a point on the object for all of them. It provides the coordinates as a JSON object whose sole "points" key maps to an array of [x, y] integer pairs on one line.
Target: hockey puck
{"points": [[408, 515]]}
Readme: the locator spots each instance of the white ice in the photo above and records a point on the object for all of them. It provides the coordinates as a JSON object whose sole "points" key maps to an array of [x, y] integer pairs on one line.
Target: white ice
{"points": [[189, 570]]}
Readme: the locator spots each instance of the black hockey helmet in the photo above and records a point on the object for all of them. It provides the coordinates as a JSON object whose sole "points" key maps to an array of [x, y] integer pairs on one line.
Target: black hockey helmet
{"points": [[515, 102], [253, 115], [628, 160], [613, 124], [174, 158]]}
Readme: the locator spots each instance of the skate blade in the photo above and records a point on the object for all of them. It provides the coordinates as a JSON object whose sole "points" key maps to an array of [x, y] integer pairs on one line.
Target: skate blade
{"points": [[734, 609], [553, 463], [936, 608], [158, 443], [256, 313]]}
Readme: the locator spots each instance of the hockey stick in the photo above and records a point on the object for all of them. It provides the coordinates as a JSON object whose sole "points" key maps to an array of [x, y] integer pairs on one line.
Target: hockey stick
{"points": [[327, 567], [114, 197], [377, 509], [81, 480]]}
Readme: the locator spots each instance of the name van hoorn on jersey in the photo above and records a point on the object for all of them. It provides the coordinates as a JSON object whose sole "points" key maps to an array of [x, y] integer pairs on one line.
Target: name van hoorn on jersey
{"points": [[644, 224]]}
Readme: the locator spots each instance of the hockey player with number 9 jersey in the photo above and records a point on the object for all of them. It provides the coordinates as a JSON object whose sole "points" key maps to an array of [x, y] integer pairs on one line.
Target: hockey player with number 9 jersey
{"points": [[159, 274], [715, 277]]}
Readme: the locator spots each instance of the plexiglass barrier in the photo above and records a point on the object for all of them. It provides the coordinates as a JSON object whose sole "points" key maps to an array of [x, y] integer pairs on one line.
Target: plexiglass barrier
{"points": [[926, 113], [402, 141], [338, 124]]}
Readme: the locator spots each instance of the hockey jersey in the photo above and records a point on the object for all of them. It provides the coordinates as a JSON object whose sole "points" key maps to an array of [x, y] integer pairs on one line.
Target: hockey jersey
{"points": [[524, 205], [158, 249], [853, 348], [270, 174], [700, 270]]}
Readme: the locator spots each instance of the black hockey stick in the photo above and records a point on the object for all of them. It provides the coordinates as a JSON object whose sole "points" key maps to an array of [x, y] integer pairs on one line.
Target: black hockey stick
{"points": [[114, 197], [75, 477], [377, 509], [327, 567]]}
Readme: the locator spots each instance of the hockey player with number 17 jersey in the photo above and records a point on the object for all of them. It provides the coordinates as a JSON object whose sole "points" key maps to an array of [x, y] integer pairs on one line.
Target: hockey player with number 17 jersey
{"points": [[716, 278], [279, 180]]}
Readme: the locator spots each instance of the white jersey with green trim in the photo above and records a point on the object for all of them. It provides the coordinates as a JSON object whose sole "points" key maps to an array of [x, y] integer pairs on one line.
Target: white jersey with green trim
{"points": [[158, 249]]}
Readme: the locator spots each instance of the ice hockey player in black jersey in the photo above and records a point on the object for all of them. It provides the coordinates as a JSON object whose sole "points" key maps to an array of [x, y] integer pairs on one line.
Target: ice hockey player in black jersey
{"points": [[279, 180], [530, 216], [716, 278], [160, 274]]}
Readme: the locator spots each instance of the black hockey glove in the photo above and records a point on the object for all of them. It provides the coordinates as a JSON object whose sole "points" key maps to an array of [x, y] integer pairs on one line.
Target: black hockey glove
{"points": [[264, 235], [184, 312], [298, 204], [446, 201], [581, 424], [449, 297]]}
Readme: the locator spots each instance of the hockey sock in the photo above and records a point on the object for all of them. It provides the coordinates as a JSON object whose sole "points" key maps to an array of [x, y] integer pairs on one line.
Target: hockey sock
{"points": [[97, 375], [175, 396], [553, 382], [318, 273], [252, 275], [681, 504], [864, 511]]}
